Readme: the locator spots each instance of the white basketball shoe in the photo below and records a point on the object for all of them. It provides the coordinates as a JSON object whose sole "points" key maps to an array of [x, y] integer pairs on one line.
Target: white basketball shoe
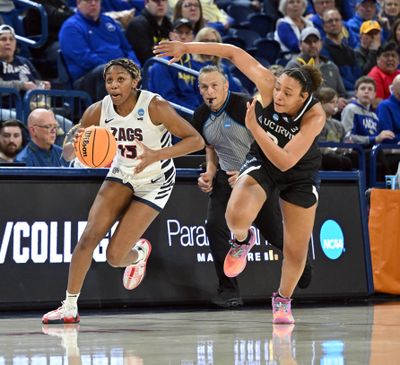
{"points": [[64, 314], [135, 273]]}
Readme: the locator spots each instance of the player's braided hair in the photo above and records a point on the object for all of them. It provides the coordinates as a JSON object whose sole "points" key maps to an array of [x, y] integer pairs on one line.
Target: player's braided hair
{"points": [[127, 64]]}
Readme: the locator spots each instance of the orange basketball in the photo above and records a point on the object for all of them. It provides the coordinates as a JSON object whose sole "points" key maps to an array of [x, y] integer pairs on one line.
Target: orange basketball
{"points": [[96, 147]]}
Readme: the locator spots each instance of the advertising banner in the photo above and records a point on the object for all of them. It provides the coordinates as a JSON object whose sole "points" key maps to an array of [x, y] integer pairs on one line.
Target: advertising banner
{"points": [[41, 220]]}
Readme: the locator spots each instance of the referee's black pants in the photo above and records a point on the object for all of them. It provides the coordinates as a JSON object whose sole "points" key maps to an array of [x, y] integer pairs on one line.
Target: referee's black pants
{"points": [[269, 222]]}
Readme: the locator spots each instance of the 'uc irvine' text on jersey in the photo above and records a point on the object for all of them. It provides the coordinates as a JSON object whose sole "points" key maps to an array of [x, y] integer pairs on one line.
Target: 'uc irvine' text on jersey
{"points": [[281, 129]]}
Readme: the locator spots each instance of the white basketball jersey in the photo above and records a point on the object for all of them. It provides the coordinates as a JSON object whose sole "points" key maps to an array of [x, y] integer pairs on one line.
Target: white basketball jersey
{"points": [[137, 125]]}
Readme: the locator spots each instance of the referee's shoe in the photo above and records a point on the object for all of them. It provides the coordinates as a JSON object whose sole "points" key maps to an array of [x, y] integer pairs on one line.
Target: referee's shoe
{"points": [[227, 299]]}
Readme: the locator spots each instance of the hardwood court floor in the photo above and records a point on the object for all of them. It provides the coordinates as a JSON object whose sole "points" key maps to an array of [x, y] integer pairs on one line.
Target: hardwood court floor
{"points": [[327, 335]]}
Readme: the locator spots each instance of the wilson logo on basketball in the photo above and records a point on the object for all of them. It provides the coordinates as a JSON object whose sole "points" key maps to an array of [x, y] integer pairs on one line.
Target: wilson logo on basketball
{"points": [[85, 142]]}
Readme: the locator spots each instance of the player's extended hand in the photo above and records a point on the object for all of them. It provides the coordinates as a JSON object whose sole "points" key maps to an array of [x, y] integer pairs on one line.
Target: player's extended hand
{"points": [[251, 120], [174, 49], [204, 182], [145, 156], [233, 175], [70, 141]]}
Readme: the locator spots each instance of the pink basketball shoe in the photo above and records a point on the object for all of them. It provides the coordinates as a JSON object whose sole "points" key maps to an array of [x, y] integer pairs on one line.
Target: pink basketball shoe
{"points": [[236, 259], [134, 273], [281, 310]]}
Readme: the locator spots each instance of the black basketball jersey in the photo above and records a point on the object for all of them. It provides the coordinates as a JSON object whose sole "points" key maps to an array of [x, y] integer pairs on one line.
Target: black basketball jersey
{"points": [[281, 129]]}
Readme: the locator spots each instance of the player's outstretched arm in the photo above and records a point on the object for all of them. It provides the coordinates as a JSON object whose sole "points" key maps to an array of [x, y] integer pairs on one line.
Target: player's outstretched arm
{"points": [[257, 73]]}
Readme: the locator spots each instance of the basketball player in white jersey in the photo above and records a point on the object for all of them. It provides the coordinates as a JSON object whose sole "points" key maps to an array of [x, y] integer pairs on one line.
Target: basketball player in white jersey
{"points": [[138, 184], [285, 156]]}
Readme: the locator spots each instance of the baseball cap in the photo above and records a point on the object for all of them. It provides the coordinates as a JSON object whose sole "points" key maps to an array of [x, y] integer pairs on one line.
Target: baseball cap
{"points": [[5, 28], [369, 25], [306, 32], [180, 22]]}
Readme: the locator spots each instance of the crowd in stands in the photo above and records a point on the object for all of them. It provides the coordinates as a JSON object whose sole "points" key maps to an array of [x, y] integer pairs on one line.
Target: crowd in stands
{"points": [[355, 44]]}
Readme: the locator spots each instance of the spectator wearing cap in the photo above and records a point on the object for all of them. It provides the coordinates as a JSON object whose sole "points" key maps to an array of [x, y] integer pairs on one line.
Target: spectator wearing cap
{"points": [[88, 40], [386, 69], [388, 111], [365, 10], [370, 41], [9, 15], [337, 49], [149, 28], [288, 28], [16, 72], [172, 84], [310, 47]]}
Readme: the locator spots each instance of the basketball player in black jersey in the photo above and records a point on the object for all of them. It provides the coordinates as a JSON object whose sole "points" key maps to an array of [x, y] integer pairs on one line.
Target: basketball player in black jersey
{"points": [[285, 156], [221, 122]]}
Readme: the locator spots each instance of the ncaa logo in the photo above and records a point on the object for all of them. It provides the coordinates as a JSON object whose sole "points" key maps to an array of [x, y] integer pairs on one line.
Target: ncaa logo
{"points": [[140, 112], [227, 123], [332, 240]]}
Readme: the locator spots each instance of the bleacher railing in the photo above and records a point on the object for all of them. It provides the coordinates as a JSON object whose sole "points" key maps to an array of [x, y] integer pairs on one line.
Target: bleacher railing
{"points": [[10, 104], [374, 165], [40, 39], [360, 154], [70, 103]]}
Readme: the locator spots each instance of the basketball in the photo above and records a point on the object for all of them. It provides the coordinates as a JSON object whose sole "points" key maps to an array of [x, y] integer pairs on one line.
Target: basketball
{"points": [[95, 147]]}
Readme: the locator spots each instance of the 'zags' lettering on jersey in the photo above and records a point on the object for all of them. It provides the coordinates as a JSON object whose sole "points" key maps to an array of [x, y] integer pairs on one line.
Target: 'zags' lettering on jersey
{"points": [[127, 134]]}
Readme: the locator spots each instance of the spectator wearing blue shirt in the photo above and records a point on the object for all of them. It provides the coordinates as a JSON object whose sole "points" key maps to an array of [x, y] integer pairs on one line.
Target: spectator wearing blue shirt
{"points": [[88, 40], [337, 48], [388, 110], [174, 85], [289, 27], [365, 10], [319, 7], [41, 150], [360, 123]]}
